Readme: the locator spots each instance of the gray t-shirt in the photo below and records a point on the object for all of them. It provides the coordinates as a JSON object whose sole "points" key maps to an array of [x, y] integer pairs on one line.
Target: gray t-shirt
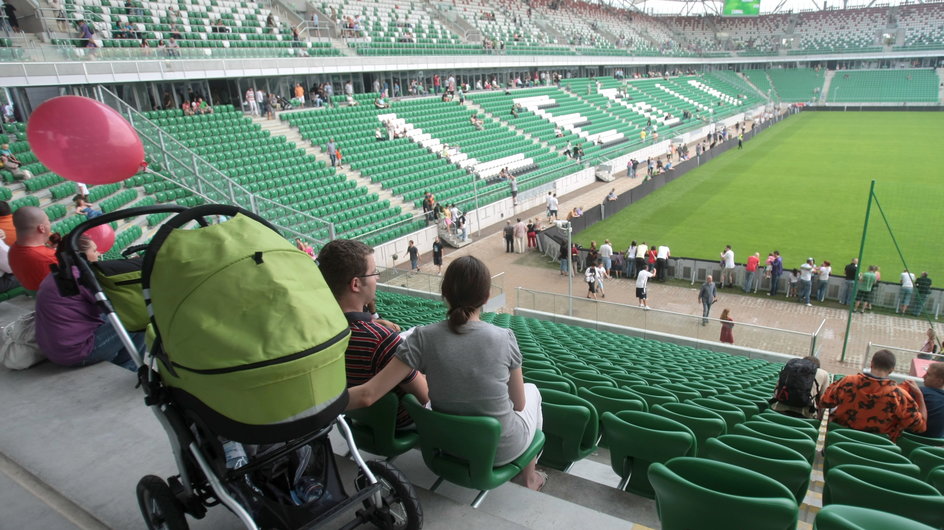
{"points": [[468, 376]]}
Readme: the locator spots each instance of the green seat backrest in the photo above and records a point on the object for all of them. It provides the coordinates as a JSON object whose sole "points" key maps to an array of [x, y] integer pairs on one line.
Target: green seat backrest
{"points": [[461, 449], [908, 442], [781, 434], [796, 423], [374, 428], [731, 413], [884, 490], [571, 429], [839, 453], [842, 517], [709, 495], [637, 439], [704, 423], [780, 463], [928, 459], [843, 434], [550, 380], [654, 395]]}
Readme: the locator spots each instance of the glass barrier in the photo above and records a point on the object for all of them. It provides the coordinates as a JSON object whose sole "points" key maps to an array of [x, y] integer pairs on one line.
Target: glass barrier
{"points": [[660, 321], [904, 358]]}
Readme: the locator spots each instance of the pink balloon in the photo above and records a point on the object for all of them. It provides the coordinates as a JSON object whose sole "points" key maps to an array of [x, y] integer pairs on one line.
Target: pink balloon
{"points": [[84, 140], [103, 236]]}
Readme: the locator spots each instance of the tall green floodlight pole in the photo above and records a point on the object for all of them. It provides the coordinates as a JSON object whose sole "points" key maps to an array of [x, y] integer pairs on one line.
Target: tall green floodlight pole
{"points": [[855, 284]]}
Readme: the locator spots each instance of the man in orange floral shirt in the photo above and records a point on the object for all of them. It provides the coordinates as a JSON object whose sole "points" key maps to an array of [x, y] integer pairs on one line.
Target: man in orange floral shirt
{"points": [[874, 403]]}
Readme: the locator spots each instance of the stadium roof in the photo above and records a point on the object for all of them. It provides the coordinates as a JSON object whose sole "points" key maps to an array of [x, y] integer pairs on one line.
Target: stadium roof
{"points": [[714, 7]]}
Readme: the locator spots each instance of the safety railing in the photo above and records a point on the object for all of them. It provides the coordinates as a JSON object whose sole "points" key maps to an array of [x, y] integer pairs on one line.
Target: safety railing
{"points": [[664, 322], [194, 173], [904, 358]]}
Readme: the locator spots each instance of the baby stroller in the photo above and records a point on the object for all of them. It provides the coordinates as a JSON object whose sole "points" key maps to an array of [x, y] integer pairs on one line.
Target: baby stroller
{"points": [[284, 104], [245, 372]]}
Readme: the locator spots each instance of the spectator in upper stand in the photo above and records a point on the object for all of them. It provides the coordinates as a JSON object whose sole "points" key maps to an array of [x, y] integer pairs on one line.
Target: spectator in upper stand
{"points": [[349, 269], [11, 163], [381, 103], [476, 122], [85, 208], [270, 22], [332, 150], [874, 403], [34, 250], [173, 49]]}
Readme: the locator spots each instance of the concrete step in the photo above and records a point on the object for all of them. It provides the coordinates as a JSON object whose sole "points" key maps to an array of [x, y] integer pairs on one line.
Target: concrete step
{"points": [[117, 441]]}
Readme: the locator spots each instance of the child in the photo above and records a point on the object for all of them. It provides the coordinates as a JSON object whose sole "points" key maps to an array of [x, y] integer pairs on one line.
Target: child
{"points": [[769, 267], [794, 281]]}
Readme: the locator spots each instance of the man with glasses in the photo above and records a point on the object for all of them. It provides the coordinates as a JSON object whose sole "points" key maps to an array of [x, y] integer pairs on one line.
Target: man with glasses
{"points": [[350, 270]]}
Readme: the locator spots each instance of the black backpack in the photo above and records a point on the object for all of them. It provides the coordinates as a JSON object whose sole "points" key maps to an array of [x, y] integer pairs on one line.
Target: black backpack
{"points": [[796, 380]]}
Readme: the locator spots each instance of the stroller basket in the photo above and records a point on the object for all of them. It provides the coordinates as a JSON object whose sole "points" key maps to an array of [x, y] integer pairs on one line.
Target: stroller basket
{"points": [[246, 374]]}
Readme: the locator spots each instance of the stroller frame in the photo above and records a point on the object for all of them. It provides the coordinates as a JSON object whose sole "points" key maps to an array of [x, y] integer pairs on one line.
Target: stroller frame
{"points": [[199, 485]]}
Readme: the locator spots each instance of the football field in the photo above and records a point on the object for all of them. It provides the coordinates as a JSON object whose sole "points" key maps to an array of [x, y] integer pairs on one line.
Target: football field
{"points": [[801, 187]]}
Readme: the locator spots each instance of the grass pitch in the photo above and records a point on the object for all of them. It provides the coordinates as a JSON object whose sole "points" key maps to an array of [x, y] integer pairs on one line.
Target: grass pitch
{"points": [[801, 187]]}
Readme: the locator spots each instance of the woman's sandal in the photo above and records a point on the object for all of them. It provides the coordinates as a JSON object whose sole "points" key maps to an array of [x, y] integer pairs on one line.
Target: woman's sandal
{"points": [[543, 476]]}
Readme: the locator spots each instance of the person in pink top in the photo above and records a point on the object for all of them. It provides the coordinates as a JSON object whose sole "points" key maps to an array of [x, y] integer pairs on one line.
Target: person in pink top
{"points": [[750, 272]]}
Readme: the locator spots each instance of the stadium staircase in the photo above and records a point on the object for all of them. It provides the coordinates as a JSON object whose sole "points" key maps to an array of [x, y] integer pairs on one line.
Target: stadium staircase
{"points": [[830, 74], [940, 84], [281, 128]]}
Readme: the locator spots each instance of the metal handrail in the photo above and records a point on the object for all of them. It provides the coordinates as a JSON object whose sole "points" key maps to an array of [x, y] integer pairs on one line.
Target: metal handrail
{"points": [[205, 187]]}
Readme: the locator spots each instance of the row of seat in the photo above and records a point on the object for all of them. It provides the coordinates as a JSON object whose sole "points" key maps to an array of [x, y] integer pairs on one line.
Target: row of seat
{"points": [[768, 456]]}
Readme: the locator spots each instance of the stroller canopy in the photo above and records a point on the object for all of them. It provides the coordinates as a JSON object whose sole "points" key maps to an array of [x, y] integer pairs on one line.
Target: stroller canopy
{"points": [[244, 320]]}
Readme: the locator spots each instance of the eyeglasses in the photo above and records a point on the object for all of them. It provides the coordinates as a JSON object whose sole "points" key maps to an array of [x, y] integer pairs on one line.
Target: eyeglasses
{"points": [[368, 275]]}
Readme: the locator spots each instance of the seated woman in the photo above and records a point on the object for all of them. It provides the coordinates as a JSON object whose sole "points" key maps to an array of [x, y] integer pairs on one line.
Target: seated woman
{"points": [[473, 368], [70, 330], [85, 208], [380, 103]]}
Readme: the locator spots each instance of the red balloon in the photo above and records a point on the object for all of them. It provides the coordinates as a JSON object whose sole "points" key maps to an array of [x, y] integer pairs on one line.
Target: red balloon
{"points": [[103, 236], [84, 140]]}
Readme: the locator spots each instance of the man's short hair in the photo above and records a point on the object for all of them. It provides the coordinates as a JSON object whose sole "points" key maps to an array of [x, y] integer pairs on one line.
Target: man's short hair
{"points": [[936, 370], [28, 218], [341, 260], [813, 359], [884, 360]]}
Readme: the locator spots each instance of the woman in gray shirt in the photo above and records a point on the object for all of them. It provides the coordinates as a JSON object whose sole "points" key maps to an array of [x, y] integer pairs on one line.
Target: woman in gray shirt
{"points": [[473, 368]]}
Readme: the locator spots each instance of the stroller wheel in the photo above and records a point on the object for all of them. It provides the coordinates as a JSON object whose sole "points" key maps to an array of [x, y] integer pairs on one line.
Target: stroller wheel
{"points": [[400, 509], [159, 506]]}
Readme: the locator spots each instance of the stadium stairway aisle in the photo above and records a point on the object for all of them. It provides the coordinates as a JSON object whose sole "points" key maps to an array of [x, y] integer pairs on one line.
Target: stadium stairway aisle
{"points": [[281, 128]]}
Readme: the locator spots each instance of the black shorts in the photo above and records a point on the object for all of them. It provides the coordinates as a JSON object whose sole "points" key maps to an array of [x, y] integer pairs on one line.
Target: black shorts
{"points": [[641, 293], [864, 296], [592, 286]]}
